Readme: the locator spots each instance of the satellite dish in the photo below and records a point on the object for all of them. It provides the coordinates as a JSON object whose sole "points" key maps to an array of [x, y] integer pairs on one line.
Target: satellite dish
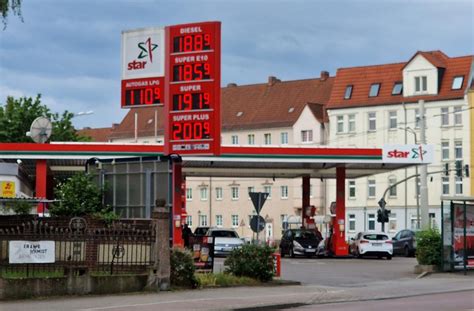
{"points": [[40, 130]]}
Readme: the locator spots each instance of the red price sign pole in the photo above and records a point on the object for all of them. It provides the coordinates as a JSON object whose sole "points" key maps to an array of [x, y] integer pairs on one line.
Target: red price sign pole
{"points": [[192, 84]]}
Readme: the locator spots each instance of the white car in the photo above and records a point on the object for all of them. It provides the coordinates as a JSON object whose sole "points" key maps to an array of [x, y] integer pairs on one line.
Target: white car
{"points": [[225, 240], [372, 244]]}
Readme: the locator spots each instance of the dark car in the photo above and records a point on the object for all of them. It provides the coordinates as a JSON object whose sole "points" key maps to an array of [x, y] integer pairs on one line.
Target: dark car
{"points": [[200, 231], [404, 243], [299, 242]]}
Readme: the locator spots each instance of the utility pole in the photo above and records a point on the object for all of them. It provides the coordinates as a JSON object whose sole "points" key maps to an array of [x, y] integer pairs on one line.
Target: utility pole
{"points": [[425, 222]]}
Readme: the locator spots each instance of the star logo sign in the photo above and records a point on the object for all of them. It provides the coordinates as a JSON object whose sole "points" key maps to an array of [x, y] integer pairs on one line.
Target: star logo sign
{"points": [[418, 153], [147, 49]]}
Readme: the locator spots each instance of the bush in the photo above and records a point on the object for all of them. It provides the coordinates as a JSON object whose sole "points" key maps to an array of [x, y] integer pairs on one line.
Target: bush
{"points": [[182, 269], [251, 260], [224, 280], [22, 207], [429, 247]]}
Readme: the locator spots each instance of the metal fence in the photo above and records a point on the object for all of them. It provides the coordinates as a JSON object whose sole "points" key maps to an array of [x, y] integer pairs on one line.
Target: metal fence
{"points": [[80, 246]]}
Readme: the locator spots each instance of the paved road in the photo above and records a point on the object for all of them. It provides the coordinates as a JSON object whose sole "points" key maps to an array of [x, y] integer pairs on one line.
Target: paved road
{"points": [[439, 302]]}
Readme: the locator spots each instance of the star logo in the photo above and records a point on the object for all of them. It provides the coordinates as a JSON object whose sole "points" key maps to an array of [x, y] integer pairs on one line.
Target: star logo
{"points": [[147, 49]]}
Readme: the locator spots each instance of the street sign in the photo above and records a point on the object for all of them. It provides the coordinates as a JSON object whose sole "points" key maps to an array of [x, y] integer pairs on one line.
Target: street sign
{"points": [[258, 199], [257, 223]]}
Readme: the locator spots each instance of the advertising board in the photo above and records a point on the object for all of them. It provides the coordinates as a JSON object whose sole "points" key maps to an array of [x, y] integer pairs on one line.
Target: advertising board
{"points": [[31, 252], [421, 154]]}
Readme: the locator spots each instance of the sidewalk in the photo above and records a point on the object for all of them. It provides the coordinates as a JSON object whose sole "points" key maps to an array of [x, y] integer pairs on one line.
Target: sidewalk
{"points": [[252, 297]]}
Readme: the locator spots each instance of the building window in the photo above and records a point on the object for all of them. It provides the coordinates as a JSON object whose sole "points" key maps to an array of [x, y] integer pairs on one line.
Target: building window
{"points": [[371, 190], [268, 189], [458, 150], [284, 138], [374, 90], [203, 192], [445, 185], [393, 190], [340, 124], [250, 189], [421, 84], [414, 222], [417, 119], [218, 193], [351, 123], [458, 185], [371, 222], [219, 220], [235, 221], [348, 92], [307, 136], [445, 116], [457, 83], [372, 121], [352, 189], [189, 194], [284, 192], [392, 222], [235, 140], [432, 217], [284, 220], [235, 193], [267, 139], [445, 150], [251, 139], [392, 120], [203, 220], [352, 222], [397, 88], [189, 220], [458, 115]]}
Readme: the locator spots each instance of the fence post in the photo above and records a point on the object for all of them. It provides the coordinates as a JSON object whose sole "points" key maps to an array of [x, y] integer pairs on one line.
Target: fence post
{"points": [[159, 276]]}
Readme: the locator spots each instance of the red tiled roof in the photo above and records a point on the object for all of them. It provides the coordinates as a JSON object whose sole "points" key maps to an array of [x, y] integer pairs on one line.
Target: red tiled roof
{"points": [[259, 106], [363, 77], [436, 58], [97, 134]]}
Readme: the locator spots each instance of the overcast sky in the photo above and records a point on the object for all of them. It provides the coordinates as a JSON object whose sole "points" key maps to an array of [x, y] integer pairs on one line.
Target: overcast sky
{"points": [[69, 50]]}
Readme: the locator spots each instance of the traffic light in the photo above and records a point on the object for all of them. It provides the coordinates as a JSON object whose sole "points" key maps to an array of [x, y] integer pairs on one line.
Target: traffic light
{"points": [[458, 168], [379, 215], [466, 170], [386, 213], [446, 169], [382, 215]]}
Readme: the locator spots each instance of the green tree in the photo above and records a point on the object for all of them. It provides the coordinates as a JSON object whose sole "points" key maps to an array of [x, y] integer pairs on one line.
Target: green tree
{"points": [[7, 6], [17, 115]]}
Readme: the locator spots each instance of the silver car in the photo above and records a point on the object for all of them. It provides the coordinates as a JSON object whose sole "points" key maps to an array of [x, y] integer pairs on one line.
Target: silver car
{"points": [[225, 240]]}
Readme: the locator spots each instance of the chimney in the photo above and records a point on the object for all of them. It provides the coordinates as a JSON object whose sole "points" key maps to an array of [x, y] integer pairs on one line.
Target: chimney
{"points": [[272, 80], [324, 75], [115, 125], [231, 84]]}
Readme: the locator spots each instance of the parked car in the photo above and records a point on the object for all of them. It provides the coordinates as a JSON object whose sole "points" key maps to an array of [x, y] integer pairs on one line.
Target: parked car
{"points": [[404, 243], [371, 244], [299, 242], [225, 240], [200, 231]]}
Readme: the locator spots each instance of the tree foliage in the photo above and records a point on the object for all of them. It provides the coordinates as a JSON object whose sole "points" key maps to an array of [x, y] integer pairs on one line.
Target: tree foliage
{"points": [[17, 115], [7, 6]]}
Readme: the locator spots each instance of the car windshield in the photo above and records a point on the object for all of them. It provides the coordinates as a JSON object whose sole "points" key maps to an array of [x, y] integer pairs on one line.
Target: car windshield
{"points": [[375, 237], [305, 234], [200, 231], [224, 234]]}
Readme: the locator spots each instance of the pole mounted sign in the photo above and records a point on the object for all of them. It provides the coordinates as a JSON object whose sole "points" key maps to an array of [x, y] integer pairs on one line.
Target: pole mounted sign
{"points": [[421, 154], [143, 67], [192, 83]]}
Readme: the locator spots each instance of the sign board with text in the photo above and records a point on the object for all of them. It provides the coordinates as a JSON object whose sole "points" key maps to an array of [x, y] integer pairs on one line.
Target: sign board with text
{"points": [[421, 154], [7, 189], [143, 67], [31, 251], [192, 84]]}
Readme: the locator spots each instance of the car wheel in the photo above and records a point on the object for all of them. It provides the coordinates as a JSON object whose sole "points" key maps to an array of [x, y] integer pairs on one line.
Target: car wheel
{"points": [[406, 251], [389, 257], [292, 253]]}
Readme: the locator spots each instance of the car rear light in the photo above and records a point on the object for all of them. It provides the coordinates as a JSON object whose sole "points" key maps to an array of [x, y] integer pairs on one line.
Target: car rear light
{"points": [[388, 242], [363, 241]]}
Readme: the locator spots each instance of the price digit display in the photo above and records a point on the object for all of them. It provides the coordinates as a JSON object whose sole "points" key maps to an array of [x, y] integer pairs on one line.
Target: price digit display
{"points": [[192, 43], [142, 96], [194, 130], [190, 72], [191, 101]]}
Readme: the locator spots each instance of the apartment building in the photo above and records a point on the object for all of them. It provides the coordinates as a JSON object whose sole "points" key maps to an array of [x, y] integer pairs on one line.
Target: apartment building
{"points": [[375, 105], [276, 113]]}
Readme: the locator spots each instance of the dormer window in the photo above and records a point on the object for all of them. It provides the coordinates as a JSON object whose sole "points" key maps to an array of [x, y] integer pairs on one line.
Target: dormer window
{"points": [[374, 90], [348, 93], [421, 84], [397, 88], [457, 83]]}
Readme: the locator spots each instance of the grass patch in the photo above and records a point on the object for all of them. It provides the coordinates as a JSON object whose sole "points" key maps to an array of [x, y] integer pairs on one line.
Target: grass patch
{"points": [[224, 280], [24, 274]]}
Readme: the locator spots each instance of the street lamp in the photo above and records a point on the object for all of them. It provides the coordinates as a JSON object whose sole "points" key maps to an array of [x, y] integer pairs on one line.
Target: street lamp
{"points": [[412, 131]]}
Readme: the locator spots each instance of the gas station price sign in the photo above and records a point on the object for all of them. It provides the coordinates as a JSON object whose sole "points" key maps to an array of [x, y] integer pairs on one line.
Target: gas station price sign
{"points": [[192, 84]]}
